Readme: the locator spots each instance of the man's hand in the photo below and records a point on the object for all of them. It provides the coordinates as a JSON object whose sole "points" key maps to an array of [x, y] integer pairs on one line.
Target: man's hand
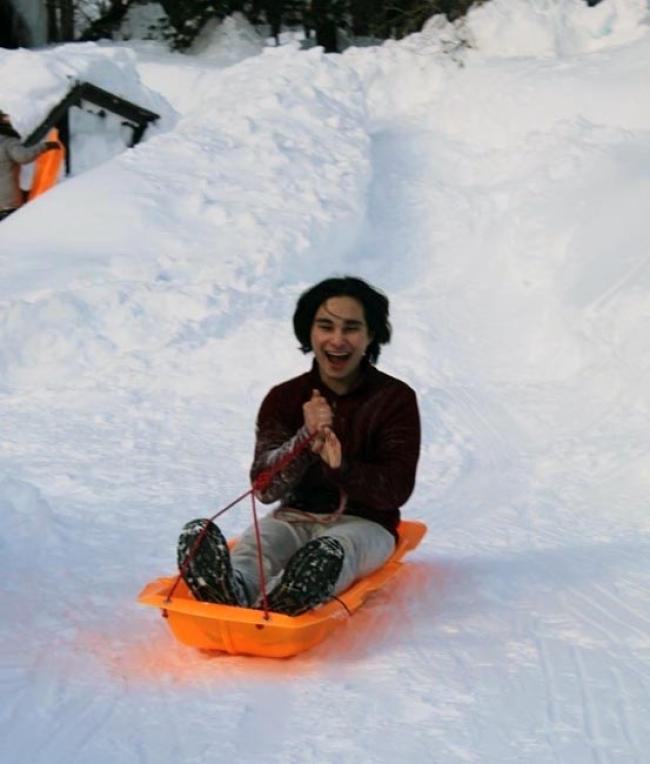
{"points": [[330, 451], [318, 420], [317, 413]]}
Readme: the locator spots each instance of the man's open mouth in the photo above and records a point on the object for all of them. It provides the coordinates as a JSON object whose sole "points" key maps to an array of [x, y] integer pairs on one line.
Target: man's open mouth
{"points": [[338, 359]]}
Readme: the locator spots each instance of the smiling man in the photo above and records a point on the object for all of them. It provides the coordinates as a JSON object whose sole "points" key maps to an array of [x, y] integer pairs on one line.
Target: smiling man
{"points": [[339, 339], [340, 499]]}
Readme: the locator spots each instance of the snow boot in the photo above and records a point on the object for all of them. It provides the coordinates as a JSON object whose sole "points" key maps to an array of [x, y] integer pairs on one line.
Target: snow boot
{"points": [[309, 577], [209, 574]]}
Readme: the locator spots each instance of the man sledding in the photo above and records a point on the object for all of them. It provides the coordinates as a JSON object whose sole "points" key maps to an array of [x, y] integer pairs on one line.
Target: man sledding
{"points": [[340, 497]]}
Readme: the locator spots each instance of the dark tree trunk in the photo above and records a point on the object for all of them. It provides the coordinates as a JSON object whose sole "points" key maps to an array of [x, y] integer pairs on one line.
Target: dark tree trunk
{"points": [[13, 30], [363, 13], [52, 21], [324, 25], [60, 20], [274, 10], [67, 20]]}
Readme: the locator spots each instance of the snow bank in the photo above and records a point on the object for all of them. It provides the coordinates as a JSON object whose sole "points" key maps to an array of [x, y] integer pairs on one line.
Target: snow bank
{"points": [[27, 521], [552, 27], [33, 82], [227, 42], [247, 187]]}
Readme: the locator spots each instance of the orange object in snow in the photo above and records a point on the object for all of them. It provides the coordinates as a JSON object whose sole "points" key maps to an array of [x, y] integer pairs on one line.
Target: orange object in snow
{"points": [[245, 631], [47, 167]]}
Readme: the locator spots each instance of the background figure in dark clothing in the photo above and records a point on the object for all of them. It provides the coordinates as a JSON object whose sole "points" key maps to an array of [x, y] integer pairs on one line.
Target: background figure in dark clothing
{"points": [[12, 155], [340, 499]]}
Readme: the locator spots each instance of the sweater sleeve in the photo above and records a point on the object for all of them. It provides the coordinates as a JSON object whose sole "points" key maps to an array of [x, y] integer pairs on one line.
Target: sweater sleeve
{"points": [[24, 154], [276, 436], [387, 480]]}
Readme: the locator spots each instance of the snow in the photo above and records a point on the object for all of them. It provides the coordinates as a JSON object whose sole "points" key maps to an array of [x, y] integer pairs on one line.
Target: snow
{"points": [[498, 193], [554, 27]]}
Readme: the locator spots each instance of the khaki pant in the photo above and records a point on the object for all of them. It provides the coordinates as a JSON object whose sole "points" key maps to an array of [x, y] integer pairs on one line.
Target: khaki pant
{"points": [[367, 546]]}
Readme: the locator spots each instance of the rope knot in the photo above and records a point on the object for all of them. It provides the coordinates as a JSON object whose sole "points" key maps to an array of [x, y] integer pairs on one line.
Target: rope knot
{"points": [[263, 480]]}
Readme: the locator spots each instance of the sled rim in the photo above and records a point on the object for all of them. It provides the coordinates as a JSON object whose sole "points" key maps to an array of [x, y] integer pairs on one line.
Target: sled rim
{"points": [[247, 631]]}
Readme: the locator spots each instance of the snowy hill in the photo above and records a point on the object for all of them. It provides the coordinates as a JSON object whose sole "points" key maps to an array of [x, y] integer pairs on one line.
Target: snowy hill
{"points": [[493, 178]]}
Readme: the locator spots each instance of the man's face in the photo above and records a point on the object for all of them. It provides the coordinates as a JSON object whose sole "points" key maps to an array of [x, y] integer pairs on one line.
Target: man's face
{"points": [[339, 338]]}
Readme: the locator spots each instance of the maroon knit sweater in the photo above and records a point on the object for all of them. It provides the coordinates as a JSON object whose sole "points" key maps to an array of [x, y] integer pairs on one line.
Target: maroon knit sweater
{"points": [[378, 424]]}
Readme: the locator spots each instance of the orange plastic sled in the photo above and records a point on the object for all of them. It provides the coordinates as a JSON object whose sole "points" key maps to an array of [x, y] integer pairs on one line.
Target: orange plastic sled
{"points": [[244, 631], [47, 168]]}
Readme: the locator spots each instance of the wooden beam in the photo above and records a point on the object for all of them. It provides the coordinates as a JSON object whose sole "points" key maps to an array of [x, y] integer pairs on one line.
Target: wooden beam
{"points": [[55, 116], [116, 104], [84, 91]]}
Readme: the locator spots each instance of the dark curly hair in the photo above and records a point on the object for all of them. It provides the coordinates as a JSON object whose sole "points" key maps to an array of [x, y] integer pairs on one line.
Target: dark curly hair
{"points": [[6, 128], [375, 308]]}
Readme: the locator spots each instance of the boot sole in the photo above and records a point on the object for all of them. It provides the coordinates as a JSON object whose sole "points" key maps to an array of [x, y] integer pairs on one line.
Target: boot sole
{"points": [[209, 574], [309, 578]]}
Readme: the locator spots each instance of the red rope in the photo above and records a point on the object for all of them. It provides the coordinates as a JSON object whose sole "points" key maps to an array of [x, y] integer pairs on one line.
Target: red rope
{"points": [[263, 480], [197, 542], [261, 483]]}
